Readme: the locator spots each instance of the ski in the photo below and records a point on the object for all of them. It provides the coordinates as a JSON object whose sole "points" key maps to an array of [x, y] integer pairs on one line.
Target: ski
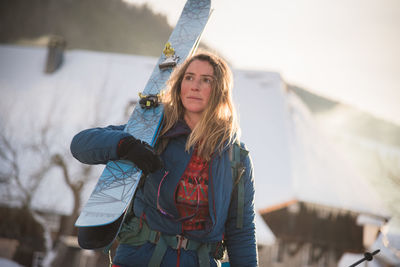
{"points": [[105, 210]]}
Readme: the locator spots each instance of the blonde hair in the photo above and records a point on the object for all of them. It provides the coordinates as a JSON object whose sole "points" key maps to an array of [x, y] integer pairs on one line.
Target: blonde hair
{"points": [[219, 124]]}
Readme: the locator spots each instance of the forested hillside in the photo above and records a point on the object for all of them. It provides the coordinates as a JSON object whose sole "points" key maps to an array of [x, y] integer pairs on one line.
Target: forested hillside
{"points": [[360, 122], [102, 25]]}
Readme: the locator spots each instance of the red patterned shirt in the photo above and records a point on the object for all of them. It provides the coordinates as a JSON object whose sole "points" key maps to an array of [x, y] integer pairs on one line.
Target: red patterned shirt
{"points": [[192, 193]]}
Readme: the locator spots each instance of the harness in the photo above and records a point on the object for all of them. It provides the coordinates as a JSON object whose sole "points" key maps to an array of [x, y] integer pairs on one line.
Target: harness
{"points": [[136, 232]]}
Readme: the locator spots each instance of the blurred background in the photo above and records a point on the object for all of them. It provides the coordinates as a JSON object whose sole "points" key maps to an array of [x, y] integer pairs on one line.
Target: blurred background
{"points": [[317, 86]]}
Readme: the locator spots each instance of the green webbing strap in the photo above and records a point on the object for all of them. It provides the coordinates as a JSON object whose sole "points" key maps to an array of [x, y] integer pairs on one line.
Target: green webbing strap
{"points": [[238, 170], [239, 221], [235, 162], [162, 245], [202, 254], [158, 253], [153, 236], [236, 153]]}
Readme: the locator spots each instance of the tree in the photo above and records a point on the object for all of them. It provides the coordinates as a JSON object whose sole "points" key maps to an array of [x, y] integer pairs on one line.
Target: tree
{"points": [[34, 149], [102, 25], [20, 184], [12, 154]]}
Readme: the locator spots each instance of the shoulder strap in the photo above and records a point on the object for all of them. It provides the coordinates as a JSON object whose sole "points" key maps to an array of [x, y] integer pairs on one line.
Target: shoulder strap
{"points": [[238, 169]]}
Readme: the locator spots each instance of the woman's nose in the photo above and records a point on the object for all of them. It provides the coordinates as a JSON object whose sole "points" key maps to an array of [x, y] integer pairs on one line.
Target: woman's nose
{"points": [[196, 85]]}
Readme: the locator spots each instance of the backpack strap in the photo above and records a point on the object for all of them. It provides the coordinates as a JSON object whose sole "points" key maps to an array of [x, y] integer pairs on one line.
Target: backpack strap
{"points": [[238, 170]]}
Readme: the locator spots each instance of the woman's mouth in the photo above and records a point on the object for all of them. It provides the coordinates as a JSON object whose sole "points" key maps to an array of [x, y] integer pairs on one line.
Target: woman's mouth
{"points": [[194, 98]]}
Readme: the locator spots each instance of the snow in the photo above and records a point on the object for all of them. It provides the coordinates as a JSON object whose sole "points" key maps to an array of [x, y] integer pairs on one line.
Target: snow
{"points": [[264, 234], [350, 258], [70, 100], [264, 120], [292, 159], [8, 263], [388, 242], [321, 175]]}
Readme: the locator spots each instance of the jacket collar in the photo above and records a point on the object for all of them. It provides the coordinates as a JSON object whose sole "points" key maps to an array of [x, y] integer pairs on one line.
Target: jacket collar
{"points": [[180, 128]]}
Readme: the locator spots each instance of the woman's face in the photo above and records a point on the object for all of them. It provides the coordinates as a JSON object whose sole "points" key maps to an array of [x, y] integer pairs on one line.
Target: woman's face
{"points": [[196, 87]]}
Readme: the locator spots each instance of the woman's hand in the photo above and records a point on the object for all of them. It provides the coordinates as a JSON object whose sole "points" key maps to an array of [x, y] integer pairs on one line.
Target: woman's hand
{"points": [[140, 153]]}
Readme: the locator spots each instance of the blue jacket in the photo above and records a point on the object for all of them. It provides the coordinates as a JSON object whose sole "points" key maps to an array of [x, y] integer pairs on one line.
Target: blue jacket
{"points": [[99, 145]]}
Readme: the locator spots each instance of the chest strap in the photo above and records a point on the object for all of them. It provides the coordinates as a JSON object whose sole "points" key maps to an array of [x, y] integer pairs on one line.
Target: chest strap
{"points": [[137, 233]]}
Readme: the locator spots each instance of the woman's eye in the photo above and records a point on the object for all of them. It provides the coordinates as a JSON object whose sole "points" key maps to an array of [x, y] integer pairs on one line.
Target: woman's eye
{"points": [[188, 78], [207, 80]]}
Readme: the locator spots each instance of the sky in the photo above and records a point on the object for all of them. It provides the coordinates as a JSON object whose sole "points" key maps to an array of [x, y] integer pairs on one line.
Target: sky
{"points": [[347, 50]]}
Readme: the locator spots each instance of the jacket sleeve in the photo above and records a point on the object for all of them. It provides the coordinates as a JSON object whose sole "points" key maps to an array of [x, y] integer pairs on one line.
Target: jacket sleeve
{"points": [[241, 242], [97, 145]]}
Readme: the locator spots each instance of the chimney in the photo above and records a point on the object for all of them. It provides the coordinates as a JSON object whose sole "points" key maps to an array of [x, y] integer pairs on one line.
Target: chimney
{"points": [[55, 53]]}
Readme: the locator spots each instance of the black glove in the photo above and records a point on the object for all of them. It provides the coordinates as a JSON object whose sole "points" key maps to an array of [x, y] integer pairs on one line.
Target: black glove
{"points": [[140, 153]]}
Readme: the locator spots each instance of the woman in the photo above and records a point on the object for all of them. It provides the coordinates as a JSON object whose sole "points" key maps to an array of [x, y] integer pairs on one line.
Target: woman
{"points": [[188, 203]]}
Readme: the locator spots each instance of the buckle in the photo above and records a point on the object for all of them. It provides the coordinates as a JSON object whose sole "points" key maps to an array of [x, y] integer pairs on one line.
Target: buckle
{"points": [[154, 236], [182, 242]]}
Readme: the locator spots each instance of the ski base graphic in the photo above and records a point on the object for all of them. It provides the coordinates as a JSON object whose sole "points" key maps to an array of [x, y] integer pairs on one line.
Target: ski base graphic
{"points": [[105, 211]]}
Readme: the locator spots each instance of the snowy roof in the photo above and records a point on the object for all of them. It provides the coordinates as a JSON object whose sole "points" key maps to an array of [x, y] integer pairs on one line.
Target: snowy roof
{"points": [[292, 160]]}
